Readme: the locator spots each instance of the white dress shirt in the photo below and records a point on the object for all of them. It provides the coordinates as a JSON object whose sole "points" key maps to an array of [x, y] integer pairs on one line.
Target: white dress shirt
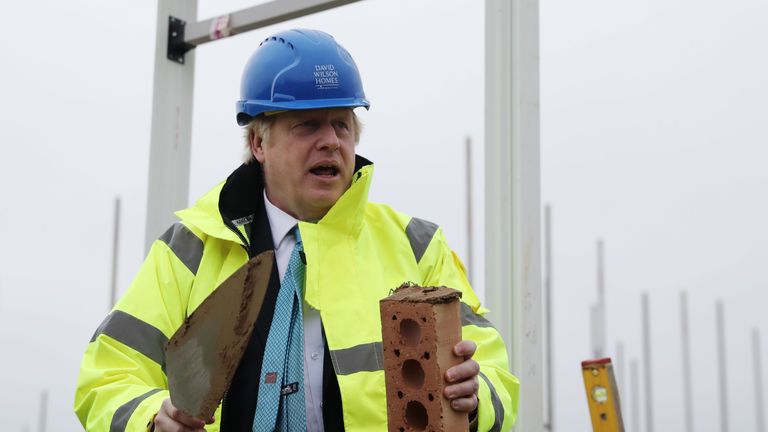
{"points": [[281, 224]]}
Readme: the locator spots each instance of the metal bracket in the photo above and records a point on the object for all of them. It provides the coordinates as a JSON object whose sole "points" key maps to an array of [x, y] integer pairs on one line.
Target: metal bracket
{"points": [[176, 45]]}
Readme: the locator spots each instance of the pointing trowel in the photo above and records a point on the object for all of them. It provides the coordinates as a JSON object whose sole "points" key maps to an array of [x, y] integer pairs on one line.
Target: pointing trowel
{"points": [[203, 354]]}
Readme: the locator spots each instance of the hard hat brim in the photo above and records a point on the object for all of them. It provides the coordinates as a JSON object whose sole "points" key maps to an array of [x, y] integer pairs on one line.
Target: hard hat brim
{"points": [[248, 109]]}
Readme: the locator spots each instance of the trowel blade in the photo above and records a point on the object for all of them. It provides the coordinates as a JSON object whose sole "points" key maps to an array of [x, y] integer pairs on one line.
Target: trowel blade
{"points": [[203, 354]]}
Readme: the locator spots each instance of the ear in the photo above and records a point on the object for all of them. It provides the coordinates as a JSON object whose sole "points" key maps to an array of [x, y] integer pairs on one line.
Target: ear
{"points": [[257, 146]]}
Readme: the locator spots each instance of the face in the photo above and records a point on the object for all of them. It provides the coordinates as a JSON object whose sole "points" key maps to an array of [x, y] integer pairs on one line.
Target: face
{"points": [[308, 161]]}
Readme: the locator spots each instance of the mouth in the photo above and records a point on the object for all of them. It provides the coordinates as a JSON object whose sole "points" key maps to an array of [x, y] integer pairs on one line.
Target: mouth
{"points": [[326, 170]]}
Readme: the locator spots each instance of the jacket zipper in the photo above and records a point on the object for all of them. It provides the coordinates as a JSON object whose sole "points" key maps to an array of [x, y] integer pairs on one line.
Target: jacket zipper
{"points": [[245, 243]]}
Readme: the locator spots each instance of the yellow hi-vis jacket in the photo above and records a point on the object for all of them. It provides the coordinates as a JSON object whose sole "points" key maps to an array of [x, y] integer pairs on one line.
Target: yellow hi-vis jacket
{"points": [[355, 255]]}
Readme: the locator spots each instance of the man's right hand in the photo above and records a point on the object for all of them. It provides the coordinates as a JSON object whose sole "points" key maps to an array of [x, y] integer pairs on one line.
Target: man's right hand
{"points": [[172, 419]]}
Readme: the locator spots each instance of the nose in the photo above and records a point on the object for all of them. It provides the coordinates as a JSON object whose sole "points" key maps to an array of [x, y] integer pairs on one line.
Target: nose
{"points": [[327, 139]]}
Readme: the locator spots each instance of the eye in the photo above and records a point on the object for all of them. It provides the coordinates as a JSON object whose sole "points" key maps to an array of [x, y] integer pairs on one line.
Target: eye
{"points": [[305, 128], [342, 125]]}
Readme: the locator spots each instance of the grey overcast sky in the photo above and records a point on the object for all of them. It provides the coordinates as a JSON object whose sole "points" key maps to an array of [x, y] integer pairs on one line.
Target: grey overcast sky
{"points": [[653, 137]]}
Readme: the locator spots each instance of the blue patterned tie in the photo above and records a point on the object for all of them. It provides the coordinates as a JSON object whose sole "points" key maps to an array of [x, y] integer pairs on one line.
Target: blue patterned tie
{"points": [[280, 405]]}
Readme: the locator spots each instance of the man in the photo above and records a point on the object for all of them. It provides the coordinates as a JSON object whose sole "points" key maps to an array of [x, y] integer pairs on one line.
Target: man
{"points": [[302, 192]]}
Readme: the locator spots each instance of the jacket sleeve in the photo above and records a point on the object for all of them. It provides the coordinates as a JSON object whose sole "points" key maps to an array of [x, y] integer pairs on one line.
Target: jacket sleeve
{"points": [[122, 381], [499, 389]]}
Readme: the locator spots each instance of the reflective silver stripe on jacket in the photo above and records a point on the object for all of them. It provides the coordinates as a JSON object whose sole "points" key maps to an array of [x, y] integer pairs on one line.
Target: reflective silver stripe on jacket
{"points": [[370, 357], [134, 333], [468, 316], [498, 408], [185, 244], [361, 358], [124, 413], [420, 233]]}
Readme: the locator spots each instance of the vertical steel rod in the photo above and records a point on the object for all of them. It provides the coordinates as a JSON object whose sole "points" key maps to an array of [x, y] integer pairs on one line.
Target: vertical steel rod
{"points": [[468, 146], [598, 345], [647, 361], [41, 424], [686, 347], [756, 357], [550, 423], [600, 299], [619, 368], [635, 384], [115, 248], [722, 367]]}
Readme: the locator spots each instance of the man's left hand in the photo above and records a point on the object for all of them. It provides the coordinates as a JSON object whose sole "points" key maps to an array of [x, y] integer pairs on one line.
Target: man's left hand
{"points": [[462, 379]]}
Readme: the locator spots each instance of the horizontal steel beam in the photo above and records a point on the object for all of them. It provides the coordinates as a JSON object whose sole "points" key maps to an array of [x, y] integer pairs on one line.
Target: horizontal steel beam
{"points": [[255, 17]]}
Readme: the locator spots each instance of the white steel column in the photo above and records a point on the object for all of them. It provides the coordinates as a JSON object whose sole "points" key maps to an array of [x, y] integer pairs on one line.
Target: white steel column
{"points": [[513, 272], [169, 155]]}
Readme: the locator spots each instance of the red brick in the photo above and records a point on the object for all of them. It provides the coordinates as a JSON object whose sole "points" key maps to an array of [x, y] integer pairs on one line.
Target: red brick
{"points": [[420, 326]]}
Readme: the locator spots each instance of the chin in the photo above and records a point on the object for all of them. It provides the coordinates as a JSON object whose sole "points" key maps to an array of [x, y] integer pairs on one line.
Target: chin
{"points": [[321, 203]]}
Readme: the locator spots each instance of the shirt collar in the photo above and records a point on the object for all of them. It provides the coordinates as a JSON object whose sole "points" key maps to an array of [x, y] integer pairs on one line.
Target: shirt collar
{"points": [[280, 222]]}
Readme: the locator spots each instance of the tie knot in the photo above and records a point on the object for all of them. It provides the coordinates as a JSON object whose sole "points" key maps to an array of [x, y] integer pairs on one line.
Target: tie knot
{"points": [[296, 233]]}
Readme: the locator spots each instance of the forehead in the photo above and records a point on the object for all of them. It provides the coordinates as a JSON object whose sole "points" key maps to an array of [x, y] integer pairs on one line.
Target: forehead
{"points": [[316, 114]]}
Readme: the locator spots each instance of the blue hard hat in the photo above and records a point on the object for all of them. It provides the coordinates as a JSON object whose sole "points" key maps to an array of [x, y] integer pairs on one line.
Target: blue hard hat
{"points": [[299, 69]]}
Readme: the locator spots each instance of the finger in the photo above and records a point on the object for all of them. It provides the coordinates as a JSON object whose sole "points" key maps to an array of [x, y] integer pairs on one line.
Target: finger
{"points": [[465, 349], [187, 420], [465, 370], [166, 424], [181, 417], [466, 405], [461, 390]]}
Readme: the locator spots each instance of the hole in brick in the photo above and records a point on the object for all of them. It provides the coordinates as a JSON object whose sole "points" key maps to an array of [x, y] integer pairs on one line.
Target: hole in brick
{"points": [[394, 317], [423, 319], [402, 429], [410, 332], [397, 352], [400, 394], [413, 374], [426, 355], [416, 415], [430, 397]]}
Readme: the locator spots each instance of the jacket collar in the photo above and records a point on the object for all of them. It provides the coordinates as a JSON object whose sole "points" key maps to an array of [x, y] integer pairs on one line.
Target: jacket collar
{"points": [[241, 196]]}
